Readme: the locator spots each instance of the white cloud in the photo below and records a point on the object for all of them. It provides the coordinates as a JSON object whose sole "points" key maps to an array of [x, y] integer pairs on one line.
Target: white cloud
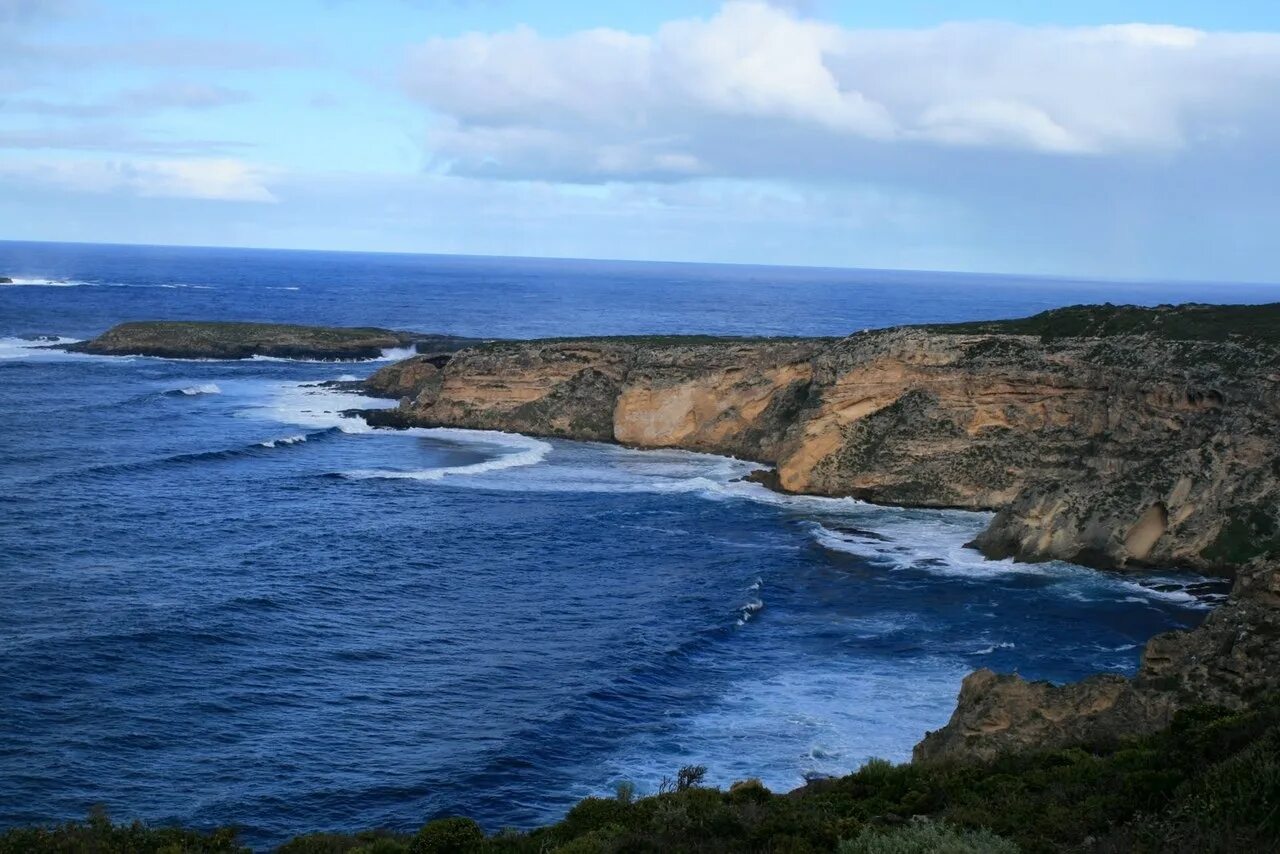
{"points": [[218, 179], [759, 90]]}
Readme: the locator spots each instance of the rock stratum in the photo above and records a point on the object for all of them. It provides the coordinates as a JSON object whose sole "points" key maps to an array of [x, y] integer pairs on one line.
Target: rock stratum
{"points": [[1112, 436], [180, 339]]}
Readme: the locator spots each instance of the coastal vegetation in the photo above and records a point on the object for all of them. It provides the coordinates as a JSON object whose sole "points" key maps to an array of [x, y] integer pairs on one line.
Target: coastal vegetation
{"points": [[1210, 782]]}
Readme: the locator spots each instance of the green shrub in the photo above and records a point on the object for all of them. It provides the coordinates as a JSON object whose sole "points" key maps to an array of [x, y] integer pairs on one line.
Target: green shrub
{"points": [[448, 836], [927, 837]]}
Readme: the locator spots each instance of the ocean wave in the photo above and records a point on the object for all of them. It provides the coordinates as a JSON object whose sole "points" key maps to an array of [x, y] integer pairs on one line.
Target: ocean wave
{"points": [[289, 440], [251, 450], [391, 354], [41, 282], [195, 390], [519, 451], [43, 349], [987, 650], [749, 610]]}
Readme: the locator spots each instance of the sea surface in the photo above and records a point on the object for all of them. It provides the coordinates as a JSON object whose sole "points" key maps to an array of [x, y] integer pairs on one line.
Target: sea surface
{"points": [[225, 602]]}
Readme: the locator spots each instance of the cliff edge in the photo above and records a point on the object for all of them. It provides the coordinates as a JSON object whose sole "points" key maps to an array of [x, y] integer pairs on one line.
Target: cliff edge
{"points": [[1109, 436]]}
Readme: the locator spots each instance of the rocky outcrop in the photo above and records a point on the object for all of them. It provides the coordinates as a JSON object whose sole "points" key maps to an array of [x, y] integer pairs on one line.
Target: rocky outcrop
{"points": [[210, 340], [1231, 660], [5, 280], [1114, 437], [722, 396]]}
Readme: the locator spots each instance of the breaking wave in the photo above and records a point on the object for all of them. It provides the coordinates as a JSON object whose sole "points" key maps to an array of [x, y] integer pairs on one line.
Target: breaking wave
{"points": [[517, 451], [195, 390]]}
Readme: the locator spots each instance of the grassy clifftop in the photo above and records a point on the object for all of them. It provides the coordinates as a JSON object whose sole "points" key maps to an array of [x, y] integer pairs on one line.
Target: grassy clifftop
{"points": [[1256, 324], [190, 339]]}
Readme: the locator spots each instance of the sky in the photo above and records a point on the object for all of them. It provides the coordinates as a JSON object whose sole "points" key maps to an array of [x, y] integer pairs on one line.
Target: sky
{"points": [[1101, 138]]}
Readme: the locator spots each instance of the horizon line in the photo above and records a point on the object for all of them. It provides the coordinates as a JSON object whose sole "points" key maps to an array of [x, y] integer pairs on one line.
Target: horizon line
{"points": [[1053, 277]]}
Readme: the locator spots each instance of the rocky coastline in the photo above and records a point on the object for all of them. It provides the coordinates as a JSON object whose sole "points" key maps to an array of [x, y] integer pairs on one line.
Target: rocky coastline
{"points": [[1112, 436], [1115, 437]]}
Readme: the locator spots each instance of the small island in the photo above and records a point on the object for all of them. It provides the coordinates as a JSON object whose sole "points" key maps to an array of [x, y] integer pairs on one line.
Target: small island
{"points": [[5, 280], [186, 339]]}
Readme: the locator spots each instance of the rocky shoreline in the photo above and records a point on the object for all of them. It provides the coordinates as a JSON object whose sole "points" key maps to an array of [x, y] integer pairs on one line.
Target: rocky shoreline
{"points": [[1116, 437]]}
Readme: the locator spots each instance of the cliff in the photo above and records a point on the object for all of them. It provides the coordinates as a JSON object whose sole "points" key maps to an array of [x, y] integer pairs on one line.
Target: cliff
{"points": [[208, 340], [1110, 436]]}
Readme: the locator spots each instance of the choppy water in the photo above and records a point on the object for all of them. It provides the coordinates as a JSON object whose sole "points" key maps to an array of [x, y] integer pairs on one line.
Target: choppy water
{"points": [[224, 602]]}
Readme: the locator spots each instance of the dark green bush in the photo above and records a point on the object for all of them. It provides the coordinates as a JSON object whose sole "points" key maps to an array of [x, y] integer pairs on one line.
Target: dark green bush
{"points": [[448, 836]]}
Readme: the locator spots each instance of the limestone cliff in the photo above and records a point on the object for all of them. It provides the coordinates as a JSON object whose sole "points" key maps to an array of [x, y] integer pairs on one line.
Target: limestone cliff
{"points": [[1107, 436], [1111, 436], [723, 396]]}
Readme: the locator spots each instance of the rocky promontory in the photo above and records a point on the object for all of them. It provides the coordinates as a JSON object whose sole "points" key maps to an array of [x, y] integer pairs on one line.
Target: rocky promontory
{"points": [[184, 339], [5, 280], [1114, 436], [1110, 436]]}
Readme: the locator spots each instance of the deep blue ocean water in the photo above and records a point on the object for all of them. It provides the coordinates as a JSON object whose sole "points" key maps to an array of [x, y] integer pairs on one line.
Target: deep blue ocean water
{"points": [[223, 602]]}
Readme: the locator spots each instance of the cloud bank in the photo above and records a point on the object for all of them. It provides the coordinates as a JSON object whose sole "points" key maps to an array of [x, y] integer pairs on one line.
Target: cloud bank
{"points": [[758, 90]]}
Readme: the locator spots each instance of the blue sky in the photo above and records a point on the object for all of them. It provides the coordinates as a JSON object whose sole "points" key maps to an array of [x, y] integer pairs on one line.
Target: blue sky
{"points": [[1113, 139]]}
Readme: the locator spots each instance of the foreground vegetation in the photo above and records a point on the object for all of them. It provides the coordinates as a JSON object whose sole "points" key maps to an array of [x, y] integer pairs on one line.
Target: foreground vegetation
{"points": [[1210, 783]]}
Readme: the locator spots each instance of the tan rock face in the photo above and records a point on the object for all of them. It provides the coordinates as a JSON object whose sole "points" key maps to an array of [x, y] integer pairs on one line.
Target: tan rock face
{"points": [[1107, 436], [1111, 451]]}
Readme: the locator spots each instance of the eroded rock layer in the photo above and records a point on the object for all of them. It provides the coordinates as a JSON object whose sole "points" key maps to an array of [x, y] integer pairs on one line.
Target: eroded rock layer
{"points": [[1139, 436], [1110, 436]]}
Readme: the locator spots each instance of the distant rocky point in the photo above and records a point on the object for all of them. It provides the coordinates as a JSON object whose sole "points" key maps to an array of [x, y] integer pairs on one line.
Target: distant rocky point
{"points": [[175, 339], [5, 280]]}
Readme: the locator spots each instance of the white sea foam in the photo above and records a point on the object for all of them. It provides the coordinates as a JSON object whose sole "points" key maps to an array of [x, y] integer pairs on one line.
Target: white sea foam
{"points": [[396, 354], [41, 282], [987, 650], [41, 350], [749, 610], [287, 440], [517, 451], [314, 407], [814, 718], [203, 388]]}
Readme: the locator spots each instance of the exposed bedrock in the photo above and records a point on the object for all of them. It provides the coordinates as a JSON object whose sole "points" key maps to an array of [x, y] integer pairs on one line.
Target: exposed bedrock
{"points": [[1112, 444], [1232, 659], [1110, 436]]}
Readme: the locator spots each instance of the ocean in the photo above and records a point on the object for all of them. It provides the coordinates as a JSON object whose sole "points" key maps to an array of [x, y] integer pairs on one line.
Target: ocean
{"points": [[226, 603]]}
